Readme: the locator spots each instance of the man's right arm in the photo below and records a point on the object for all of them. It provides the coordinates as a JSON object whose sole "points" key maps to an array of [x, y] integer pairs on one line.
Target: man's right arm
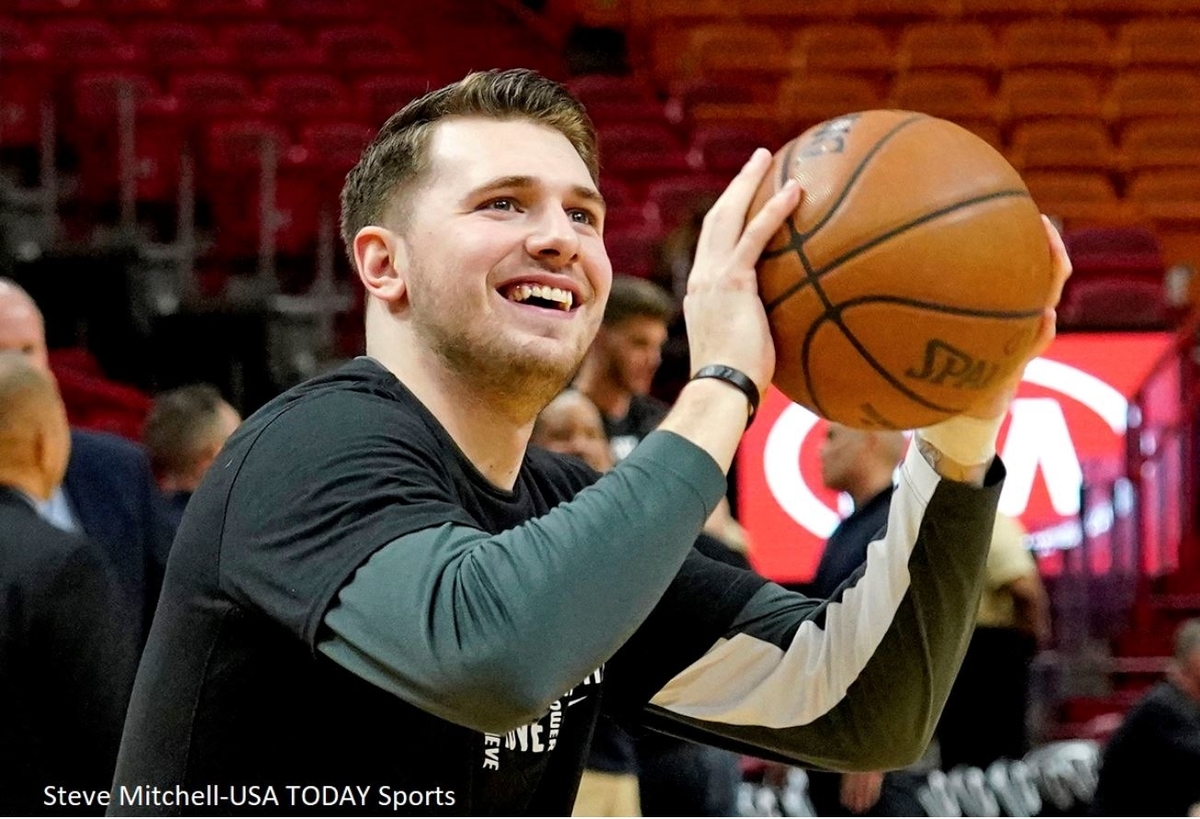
{"points": [[488, 630]]}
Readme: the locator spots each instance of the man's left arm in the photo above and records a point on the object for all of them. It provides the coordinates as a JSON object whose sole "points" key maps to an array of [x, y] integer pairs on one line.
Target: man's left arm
{"points": [[856, 682]]}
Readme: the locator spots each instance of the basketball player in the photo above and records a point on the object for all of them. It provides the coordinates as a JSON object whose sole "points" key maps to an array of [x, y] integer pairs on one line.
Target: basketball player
{"points": [[378, 585]]}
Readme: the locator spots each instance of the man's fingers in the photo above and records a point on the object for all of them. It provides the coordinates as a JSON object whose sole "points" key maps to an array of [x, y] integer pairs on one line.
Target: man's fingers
{"points": [[767, 221], [727, 216], [1060, 262]]}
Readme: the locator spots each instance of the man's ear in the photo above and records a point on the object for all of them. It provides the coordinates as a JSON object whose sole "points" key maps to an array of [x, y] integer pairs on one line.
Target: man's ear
{"points": [[382, 263]]}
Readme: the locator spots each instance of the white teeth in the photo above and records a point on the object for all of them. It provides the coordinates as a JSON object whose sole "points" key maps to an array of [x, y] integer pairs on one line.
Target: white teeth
{"points": [[564, 299]]}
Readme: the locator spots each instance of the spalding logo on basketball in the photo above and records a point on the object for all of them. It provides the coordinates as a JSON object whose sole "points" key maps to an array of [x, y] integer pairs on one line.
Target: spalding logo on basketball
{"points": [[912, 277]]}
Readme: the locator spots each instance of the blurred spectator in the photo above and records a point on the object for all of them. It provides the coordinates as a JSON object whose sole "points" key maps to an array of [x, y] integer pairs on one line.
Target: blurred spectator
{"points": [[985, 715], [108, 493], [571, 424], [185, 430], [621, 363], [66, 658], [1151, 765], [860, 463]]}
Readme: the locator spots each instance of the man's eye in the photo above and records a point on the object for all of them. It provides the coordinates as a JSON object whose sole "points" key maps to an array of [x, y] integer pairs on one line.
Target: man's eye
{"points": [[582, 216], [501, 204]]}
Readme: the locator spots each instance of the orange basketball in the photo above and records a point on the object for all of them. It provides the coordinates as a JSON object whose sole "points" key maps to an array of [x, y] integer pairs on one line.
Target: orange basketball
{"points": [[911, 279]]}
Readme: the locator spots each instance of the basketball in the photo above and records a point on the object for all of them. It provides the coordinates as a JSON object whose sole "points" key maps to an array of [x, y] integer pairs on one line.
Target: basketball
{"points": [[911, 279]]}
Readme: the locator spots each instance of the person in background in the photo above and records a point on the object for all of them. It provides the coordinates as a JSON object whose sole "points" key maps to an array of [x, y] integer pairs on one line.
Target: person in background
{"points": [[862, 464], [184, 432], [620, 364], [108, 493], [985, 714], [571, 424], [1151, 765], [66, 658]]}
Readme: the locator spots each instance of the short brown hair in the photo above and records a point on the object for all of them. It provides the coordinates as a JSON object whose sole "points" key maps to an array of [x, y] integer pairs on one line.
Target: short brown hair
{"points": [[398, 154], [633, 297], [181, 424]]}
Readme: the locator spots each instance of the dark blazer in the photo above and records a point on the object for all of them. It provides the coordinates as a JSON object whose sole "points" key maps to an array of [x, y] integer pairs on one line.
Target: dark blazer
{"points": [[112, 491], [67, 661]]}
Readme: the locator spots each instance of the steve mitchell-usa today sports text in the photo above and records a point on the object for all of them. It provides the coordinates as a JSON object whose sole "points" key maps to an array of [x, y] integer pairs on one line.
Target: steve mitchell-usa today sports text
{"points": [[252, 796]]}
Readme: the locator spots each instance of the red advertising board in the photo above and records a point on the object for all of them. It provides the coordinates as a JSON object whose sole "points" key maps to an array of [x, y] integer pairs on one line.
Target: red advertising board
{"points": [[1069, 418]]}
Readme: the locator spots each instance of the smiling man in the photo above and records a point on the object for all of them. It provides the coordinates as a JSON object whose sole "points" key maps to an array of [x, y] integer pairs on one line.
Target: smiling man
{"points": [[378, 584]]}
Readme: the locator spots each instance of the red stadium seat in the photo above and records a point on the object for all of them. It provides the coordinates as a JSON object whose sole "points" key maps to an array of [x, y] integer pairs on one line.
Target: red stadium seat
{"points": [[166, 47], [82, 43], [947, 45], [1166, 42], [613, 99], [633, 250], [1078, 197], [1161, 143], [309, 97], [960, 96], [1067, 143], [1055, 43], [222, 11], [1149, 92], [241, 157], [641, 152], [804, 101], [26, 88], [379, 97], [358, 50], [671, 201], [722, 150], [205, 96], [268, 47], [747, 53], [855, 48], [1045, 92]]}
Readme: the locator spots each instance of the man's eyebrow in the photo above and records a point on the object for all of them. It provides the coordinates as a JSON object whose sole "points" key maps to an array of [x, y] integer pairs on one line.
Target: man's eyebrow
{"points": [[524, 182]]}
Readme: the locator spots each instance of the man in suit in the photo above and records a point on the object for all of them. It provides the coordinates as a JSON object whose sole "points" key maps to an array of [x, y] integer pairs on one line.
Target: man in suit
{"points": [[108, 493], [66, 658]]}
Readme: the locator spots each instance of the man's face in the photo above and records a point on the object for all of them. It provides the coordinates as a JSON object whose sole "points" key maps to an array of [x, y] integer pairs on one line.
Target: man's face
{"points": [[841, 452], [633, 350], [571, 425], [21, 327], [506, 273]]}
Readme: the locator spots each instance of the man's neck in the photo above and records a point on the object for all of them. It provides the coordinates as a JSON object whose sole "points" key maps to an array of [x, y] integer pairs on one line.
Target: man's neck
{"points": [[492, 431], [869, 489]]}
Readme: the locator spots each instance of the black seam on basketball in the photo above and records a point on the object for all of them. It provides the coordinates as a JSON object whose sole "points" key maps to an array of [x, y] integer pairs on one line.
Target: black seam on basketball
{"points": [[1003, 315], [883, 237], [835, 317], [854, 175]]}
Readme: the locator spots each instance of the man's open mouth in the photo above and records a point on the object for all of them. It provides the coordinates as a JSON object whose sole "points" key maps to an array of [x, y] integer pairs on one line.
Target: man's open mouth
{"points": [[538, 295]]}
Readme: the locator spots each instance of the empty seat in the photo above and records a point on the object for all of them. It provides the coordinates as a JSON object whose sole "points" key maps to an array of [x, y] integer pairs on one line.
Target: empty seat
{"points": [[308, 97], [355, 50], [953, 45], [1154, 93], [960, 96], [789, 12], [640, 152], [1008, 9], [1113, 8], [1168, 194], [25, 90], [633, 250], [1134, 251], [737, 50], [672, 201], [611, 98], [688, 98], [164, 47], [263, 47], [317, 14], [1068, 143], [218, 11], [85, 43], [381, 96], [1077, 196], [208, 95], [1043, 92], [724, 149], [1161, 143], [805, 101], [841, 47], [1156, 42], [240, 166], [1112, 304], [1055, 43], [907, 9]]}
